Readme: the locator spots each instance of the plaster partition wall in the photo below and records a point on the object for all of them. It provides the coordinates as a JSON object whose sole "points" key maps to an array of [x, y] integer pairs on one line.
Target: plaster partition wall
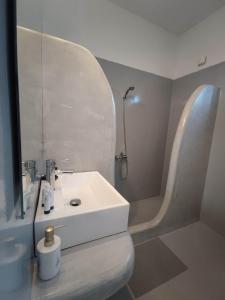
{"points": [[188, 165], [146, 133], [79, 112], [213, 204], [182, 89]]}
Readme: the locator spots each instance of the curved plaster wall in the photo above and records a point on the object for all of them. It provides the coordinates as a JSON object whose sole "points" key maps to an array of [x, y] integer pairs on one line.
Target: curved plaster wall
{"points": [[188, 164], [78, 106], [77, 127]]}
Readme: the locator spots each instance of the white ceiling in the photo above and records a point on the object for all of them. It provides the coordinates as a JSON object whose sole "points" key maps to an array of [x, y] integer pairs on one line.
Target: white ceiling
{"points": [[176, 16]]}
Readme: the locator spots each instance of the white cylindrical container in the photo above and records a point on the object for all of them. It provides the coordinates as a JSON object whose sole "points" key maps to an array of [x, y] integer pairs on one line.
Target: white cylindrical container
{"points": [[47, 204], [51, 196], [47, 198], [49, 255]]}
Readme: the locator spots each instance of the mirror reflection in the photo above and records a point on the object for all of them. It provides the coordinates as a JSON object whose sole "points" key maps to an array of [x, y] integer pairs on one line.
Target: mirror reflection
{"points": [[29, 51]]}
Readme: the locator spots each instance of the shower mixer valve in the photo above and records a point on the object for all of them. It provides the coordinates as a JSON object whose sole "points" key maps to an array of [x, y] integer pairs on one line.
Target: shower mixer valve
{"points": [[121, 156]]}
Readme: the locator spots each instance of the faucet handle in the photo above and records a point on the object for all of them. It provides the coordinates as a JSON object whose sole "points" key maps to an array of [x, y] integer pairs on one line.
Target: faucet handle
{"points": [[30, 168], [50, 163], [50, 172]]}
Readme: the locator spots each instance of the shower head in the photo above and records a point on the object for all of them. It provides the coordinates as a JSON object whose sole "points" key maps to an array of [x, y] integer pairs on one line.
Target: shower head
{"points": [[131, 88]]}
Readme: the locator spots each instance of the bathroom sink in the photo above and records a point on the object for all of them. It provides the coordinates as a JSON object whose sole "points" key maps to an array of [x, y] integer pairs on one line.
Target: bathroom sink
{"points": [[98, 211]]}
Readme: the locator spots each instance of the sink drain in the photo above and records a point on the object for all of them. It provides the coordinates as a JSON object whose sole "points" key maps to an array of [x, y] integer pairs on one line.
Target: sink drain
{"points": [[75, 202]]}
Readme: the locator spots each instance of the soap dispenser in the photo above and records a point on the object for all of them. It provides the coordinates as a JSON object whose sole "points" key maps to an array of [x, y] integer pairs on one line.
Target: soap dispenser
{"points": [[48, 251]]}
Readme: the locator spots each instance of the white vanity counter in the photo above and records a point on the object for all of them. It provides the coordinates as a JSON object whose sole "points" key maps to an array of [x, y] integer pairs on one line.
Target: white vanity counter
{"points": [[93, 271], [99, 254]]}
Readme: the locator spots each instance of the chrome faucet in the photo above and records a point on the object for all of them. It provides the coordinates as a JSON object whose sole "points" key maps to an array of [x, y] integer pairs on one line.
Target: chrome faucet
{"points": [[50, 172], [30, 167]]}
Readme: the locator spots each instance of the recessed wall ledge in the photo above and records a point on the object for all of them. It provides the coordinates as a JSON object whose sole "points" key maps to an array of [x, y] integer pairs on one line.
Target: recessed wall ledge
{"points": [[94, 271]]}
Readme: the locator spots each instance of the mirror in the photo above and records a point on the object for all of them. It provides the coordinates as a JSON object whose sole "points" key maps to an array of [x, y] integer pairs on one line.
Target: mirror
{"points": [[29, 52]]}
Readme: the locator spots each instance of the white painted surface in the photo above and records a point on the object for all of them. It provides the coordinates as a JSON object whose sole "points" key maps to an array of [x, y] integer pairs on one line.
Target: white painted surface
{"points": [[113, 33], [205, 39], [103, 211], [117, 35], [176, 16]]}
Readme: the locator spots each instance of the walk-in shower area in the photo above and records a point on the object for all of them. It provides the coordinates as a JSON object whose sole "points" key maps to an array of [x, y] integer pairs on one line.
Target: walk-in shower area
{"points": [[169, 165], [166, 133], [142, 102]]}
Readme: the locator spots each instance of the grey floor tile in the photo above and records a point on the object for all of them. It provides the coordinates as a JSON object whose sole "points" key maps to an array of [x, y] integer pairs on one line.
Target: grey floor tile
{"points": [[155, 264], [123, 294], [202, 284], [196, 245], [203, 250]]}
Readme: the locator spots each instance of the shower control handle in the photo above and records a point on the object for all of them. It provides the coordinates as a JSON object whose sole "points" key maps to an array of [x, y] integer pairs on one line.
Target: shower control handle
{"points": [[121, 156]]}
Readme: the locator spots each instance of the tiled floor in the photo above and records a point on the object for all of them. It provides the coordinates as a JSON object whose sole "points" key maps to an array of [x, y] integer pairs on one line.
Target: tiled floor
{"points": [[144, 210], [155, 264], [202, 250]]}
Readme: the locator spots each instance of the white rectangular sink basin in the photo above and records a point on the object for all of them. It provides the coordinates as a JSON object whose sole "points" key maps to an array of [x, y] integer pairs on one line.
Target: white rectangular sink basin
{"points": [[103, 211]]}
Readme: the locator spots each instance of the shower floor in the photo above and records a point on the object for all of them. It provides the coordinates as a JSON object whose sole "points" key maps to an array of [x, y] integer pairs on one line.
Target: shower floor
{"points": [[144, 210], [197, 247]]}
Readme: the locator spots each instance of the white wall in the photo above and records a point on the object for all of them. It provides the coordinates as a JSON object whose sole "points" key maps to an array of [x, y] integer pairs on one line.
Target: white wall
{"points": [[112, 33], [115, 34], [206, 38]]}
